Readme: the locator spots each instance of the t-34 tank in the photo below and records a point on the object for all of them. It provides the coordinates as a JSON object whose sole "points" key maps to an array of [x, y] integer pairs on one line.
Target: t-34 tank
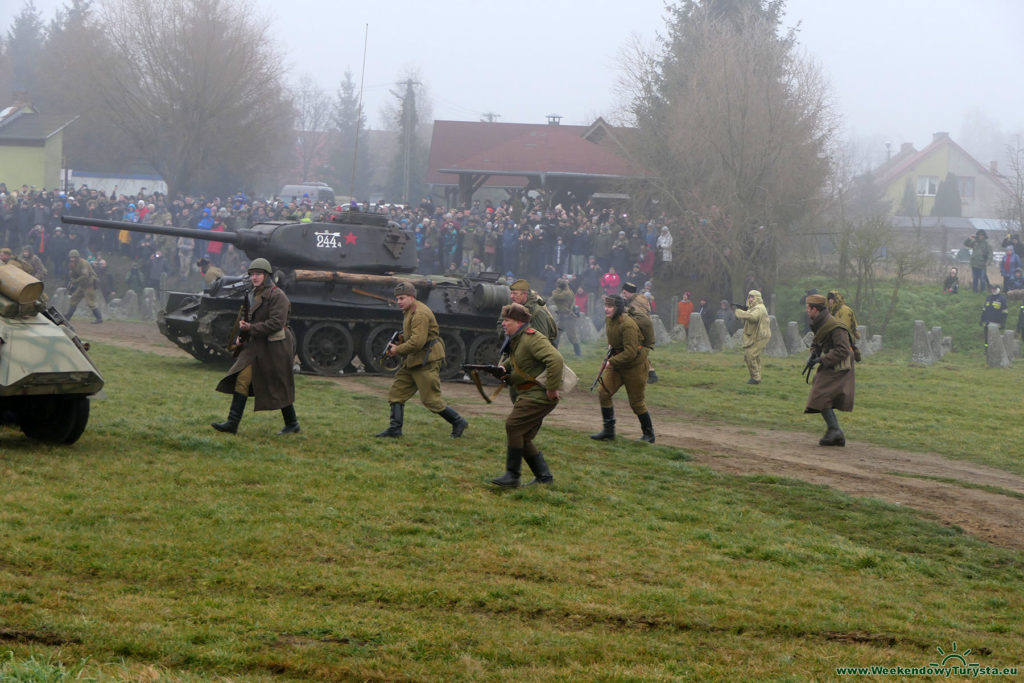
{"points": [[46, 375], [339, 276]]}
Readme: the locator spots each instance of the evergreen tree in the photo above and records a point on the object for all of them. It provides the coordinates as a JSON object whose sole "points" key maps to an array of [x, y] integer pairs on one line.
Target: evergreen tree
{"points": [[908, 203], [349, 151], [408, 168], [24, 46], [947, 198]]}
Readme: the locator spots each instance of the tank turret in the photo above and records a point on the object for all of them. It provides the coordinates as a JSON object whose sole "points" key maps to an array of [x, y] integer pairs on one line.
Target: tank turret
{"points": [[351, 241], [339, 276], [46, 375]]}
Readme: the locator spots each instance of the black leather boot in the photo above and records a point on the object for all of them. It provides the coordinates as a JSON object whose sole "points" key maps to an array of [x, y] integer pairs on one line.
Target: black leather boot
{"points": [[291, 422], [513, 466], [71, 312], [647, 427], [834, 436], [234, 415], [652, 376], [608, 433], [394, 430], [96, 314], [576, 349], [457, 422], [539, 467]]}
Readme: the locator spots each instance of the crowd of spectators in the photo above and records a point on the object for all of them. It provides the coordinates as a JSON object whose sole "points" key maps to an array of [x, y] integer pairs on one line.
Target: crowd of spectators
{"points": [[596, 248]]}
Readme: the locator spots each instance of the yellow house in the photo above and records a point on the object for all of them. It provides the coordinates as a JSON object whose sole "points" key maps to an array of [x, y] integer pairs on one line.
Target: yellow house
{"points": [[983, 191], [31, 147]]}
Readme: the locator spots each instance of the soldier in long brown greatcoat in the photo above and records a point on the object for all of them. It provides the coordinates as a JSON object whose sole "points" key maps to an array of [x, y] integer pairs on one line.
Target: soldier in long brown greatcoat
{"points": [[264, 366], [833, 386]]}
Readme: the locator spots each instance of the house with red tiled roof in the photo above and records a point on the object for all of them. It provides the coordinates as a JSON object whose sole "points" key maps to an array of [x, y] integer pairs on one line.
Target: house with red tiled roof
{"points": [[31, 146], [466, 156], [983, 191]]}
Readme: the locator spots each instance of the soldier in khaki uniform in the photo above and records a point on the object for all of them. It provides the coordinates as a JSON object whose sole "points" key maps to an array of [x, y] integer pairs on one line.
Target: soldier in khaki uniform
{"points": [[529, 354], [32, 264], [422, 352], [82, 285], [639, 309], [540, 316], [209, 272], [564, 302], [627, 366]]}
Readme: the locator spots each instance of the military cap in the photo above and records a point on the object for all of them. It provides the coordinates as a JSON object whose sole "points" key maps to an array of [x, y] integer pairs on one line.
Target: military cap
{"points": [[260, 264], [629, 287], [405, 288], [516, 312], [202, 261], [817, 299], [615, 300], [73, 253], [6, 250], [520, 285]]}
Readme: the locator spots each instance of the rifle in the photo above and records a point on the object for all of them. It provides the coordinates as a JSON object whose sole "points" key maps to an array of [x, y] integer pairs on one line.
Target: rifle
{"points": [[604, 365], [815, 359], [496, 371], [390, 362], [238, 336], [742, 307]]}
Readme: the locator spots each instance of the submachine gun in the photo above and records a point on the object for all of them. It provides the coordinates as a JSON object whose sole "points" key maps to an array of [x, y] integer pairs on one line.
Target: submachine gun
{"points": [[497, 371], [604, 366], [391, 362], [815, 359]]}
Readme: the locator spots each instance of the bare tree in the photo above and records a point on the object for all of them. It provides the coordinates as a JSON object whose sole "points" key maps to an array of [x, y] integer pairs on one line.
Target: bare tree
{"points": [[1012, 211], [735, 129], [313, 121], [196, 86]]}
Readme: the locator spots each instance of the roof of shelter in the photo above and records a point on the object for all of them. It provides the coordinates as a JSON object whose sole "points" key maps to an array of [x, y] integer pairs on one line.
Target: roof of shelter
{"points": [[508, 151]]}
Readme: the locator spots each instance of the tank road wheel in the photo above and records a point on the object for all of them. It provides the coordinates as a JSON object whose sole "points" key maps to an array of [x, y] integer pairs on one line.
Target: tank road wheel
{"points": [[484, 350], [454, 356], [326, 348], [55, 419], [373, 346]]}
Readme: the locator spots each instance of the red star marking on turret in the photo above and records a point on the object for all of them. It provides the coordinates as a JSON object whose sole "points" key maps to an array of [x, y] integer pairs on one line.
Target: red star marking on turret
{"points": [[350, 238]]}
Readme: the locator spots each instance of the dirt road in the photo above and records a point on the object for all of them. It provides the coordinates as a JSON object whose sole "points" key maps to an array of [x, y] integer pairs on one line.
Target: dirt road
{"points": [[858, 469]]}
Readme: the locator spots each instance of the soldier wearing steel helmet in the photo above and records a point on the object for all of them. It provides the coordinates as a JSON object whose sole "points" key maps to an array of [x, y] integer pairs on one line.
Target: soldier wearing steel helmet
{"points": [[263, 367], [422, 352]]}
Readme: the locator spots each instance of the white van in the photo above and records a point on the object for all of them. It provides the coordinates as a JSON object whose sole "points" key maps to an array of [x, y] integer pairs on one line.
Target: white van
{"points": [[317, 192]]}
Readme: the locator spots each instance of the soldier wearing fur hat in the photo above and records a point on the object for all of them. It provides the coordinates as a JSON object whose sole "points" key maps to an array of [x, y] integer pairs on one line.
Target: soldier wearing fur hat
{"points": [[639, 308], [422, 352], [263, 367], [540, 317], [209, 271], [528, 355], [833, 386], [82, 285], [627, 366]]}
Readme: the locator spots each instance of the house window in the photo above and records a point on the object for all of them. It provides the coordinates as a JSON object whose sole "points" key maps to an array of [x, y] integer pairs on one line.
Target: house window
{"points": [[927, 185], [966, 186]]}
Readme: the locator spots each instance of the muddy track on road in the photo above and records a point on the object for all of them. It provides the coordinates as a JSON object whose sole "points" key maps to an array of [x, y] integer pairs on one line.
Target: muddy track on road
{"points": [[977, 502]]}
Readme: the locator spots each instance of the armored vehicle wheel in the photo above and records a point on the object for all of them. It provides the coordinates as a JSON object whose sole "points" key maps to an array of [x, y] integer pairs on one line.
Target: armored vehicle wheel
{"points": [[373, 346], [203, 352], [326, 348], [484, 350], [454, 355], [55, 419]]}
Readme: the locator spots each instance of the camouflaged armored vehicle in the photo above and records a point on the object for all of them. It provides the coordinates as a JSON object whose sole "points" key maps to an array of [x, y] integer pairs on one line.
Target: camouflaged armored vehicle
{"points": [[339, 275], [46, 375]]}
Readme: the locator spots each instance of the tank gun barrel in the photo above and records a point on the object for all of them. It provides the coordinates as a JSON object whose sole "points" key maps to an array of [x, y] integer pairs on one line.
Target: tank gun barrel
{"points": [[243, 241]]}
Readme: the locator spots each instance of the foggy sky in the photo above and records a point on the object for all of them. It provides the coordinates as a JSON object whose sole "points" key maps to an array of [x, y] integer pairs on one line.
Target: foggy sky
{"points": [[899, 71]]}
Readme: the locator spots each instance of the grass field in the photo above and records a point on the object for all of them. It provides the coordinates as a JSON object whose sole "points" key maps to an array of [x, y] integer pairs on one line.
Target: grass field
{"points": [[158, 549]]}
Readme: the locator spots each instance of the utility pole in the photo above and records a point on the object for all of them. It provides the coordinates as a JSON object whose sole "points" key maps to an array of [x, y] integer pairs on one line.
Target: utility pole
{"points": [[408, 125]]}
